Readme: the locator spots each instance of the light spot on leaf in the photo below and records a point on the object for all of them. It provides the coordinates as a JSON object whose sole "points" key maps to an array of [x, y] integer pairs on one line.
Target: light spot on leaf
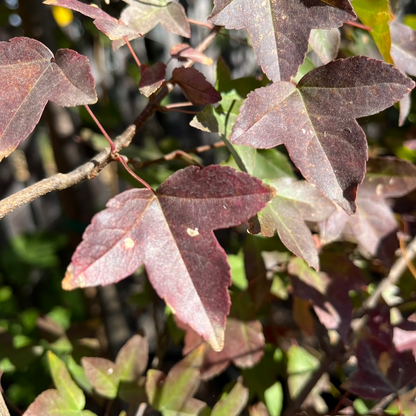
{"points": [[110, 371], [192, 233], [128, 243]]}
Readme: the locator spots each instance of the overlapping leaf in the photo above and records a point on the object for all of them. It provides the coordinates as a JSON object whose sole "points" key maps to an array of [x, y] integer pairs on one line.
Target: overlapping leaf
{"points": [[325, 142], [31, 77], [172, 394], [183, 52], [373, 226], [243, 345], [279, 29], [170, 232], [381, 370], [143, 16], [295, 202], [110, 26], [325, 43], [328, 289], [195, 87], [377, 15], [152, 78]]}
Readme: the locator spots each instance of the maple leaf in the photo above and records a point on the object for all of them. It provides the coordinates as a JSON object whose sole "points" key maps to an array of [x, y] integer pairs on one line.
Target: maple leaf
{"points": [[325, 143], [34, 77], [381, 370], [374, 226], [195, 87], [243, 345], [295, 202], [170, 232], [143, 16], [328, 289], [152, 78], [279, 29], [106, 24]]}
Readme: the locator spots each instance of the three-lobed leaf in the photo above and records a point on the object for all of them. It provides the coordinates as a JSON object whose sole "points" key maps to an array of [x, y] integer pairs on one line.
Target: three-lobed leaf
{"points": [[34, 77], [170, 232], [280, 29], [316, 121]]}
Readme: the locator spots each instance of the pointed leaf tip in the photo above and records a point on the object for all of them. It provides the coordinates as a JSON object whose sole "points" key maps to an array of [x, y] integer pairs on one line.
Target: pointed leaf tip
{"points": [[184, 261]]}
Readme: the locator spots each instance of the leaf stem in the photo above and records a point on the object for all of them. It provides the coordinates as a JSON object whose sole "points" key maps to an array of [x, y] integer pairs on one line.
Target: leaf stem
{"points": [[198, 23], [132, 51], [359, 25], [178, 110], [176, 105], [110, 142], [122, 160]]}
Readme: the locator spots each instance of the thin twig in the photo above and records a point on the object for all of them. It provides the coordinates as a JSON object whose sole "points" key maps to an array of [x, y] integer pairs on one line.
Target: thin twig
{"points": [[359, 25], [62, 181], [198, 23], [3, 408], [406, 258], [132, 51], [178, 105], [110, 142]]}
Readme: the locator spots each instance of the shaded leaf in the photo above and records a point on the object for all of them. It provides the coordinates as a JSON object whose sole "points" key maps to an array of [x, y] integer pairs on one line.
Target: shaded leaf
{"points": [[326, 143], [195, 87], [185, 264], [34, 77], [152, 78], [103, 375], [233, 403], [325, 43], [183, 52], [279, 29], [110, 26], [174, 393], [404, 335], [258, 409], [303, 316], [243, 345], [377, 15], [132, 359], [381, 371], [328, 290], [295, 202], [374, 226], [70, 392], [143, 16], [300, 367], [403, 52]]}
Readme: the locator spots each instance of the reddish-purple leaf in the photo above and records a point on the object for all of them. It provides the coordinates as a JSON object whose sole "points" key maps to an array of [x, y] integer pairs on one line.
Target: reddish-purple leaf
{"points": [[328, 289], [108, 25], [34, 76], [381, 371], [170, 232], [374, 226], [279, 29], [295, 202], [325, 143], [143, 17], [195, 87], [152, 78], [404, 335], [243, 345], [183, 52]]}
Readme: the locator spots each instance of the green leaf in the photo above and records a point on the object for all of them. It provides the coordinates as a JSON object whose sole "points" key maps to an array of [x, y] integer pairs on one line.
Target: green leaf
{"points": [[274, 399], [70, 392], [132, 359], [377, 15], [238, 274], [103, 375], [233, 403]]}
